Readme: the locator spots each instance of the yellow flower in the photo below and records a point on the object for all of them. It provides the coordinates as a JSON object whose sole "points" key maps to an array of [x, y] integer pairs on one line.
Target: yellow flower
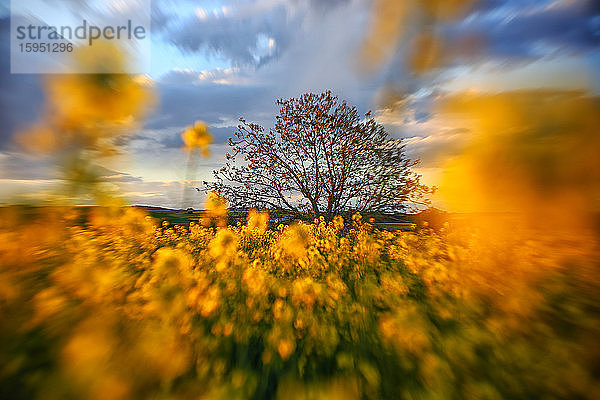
{"points": [[89, 110], [224, 245], [169, 260], [295, 241], [210, 302], [257, 220], [285, 348], [197, 136], [215, 210], [228, 329], [338, 223]]}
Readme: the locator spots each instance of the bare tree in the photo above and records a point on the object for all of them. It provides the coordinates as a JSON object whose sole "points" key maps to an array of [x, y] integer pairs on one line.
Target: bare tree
{"points": [[319, 157]]}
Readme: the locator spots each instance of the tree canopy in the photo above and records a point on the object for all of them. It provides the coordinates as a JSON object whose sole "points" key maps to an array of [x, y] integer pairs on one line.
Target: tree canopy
{"points": [[320, 157]]}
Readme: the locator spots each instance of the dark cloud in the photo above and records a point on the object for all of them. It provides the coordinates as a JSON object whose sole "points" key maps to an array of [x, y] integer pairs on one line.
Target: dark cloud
{"points": [[494, 5], [245, 32], [21, 95], [184, 99], [327, 5], [182, 104], [159, 17], [422, 116], [515, 30], [241, 35]]}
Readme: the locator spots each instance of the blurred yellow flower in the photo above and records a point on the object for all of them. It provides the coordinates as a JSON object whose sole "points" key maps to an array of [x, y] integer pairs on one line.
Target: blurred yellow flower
{"points": [[257, 220], [224, 245], [88, 111], [169, 260], [197, 136], [338, 223], [215, 210], [285, 348]]}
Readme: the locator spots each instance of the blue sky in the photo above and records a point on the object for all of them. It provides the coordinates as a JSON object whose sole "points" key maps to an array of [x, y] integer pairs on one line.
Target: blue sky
{"points": [[218, 61]]}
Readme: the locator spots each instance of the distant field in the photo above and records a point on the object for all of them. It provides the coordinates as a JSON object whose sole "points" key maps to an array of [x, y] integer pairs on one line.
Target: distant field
{"points": [[388, 222], [182, 217], [397, 226], [174, 217]]}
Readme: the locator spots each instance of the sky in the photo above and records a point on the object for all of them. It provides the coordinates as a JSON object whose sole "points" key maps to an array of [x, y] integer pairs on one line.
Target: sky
{"points": [[218, 61]]}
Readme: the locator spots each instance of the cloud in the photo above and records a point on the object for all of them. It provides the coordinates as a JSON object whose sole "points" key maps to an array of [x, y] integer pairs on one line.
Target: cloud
{"points": [[170, 194], [20, 166], [218, 76], [109, 175], [34, 167], [428, 136], [325, 58], [529, 30], [328, 5], [21, 95], [245, 33], [242, 33], [184, 99], [159, 17]]}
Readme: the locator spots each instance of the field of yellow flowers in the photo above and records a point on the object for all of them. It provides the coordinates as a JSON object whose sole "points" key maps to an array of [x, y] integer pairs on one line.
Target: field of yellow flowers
{"points": [[110, 304]]}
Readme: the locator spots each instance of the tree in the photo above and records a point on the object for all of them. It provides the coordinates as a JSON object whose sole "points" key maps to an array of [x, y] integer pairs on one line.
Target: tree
{"points": [[319, 157]]}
